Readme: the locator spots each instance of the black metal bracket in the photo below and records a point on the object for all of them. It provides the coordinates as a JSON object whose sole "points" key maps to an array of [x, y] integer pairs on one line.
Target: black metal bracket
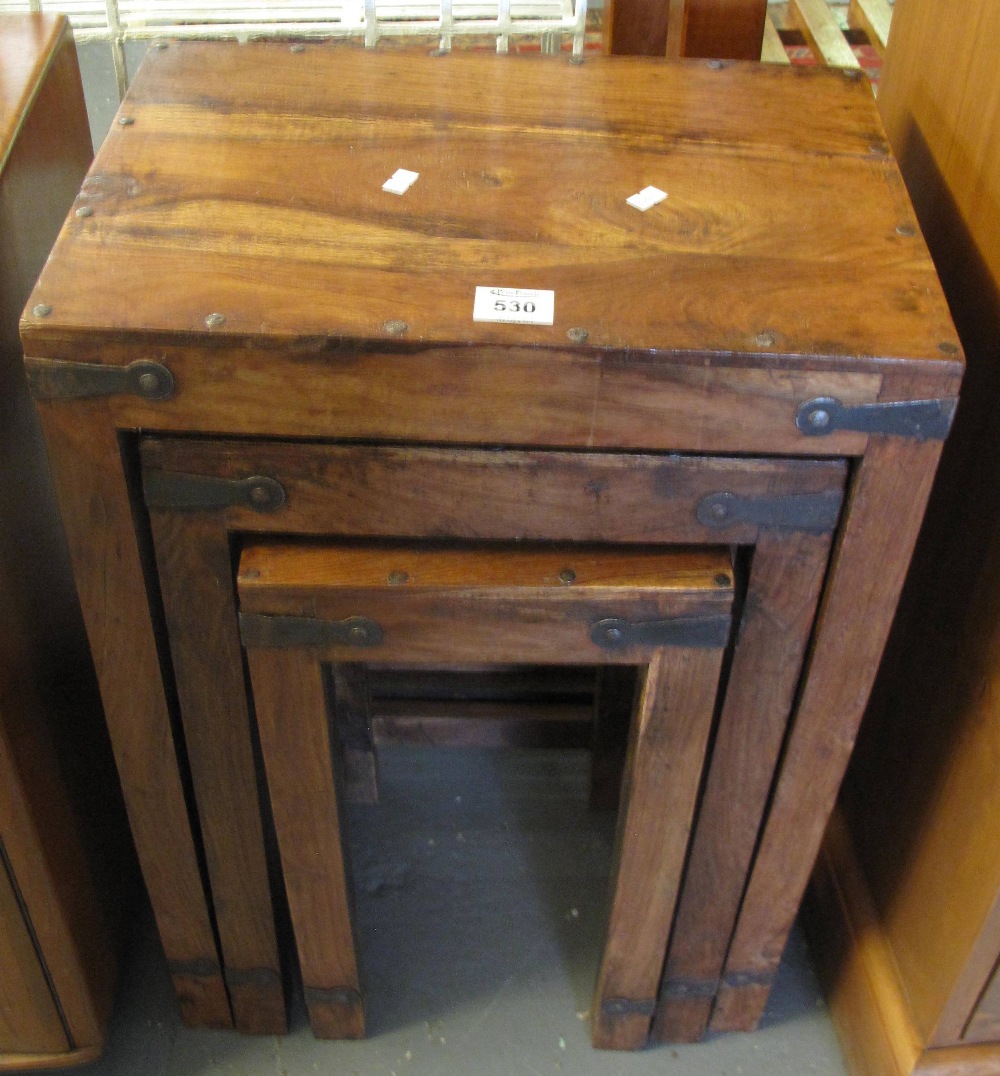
{"points": [[55, 379], [628, 1007], [195, 492], [924, 420], [814, 513], [704, 632], [279, 632]]}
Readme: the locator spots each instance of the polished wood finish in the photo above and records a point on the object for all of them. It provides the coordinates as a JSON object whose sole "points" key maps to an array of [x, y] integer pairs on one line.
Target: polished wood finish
{"points": [[775, 626], [57, 936], [528, 611], [248, 181], [921, 800], [722, 29], [717, 29], [194, 564]]}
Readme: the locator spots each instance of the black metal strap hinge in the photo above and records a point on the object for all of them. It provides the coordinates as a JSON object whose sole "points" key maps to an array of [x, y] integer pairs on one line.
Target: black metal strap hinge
{"points": [[704, 632], [924, 420], [194, 492], [279, 632], [335, 995], [628, 1007], [814, 513], [55, 379], [682, 989]]}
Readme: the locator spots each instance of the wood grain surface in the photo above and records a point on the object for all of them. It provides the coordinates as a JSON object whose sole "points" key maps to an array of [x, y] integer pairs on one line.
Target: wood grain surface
{"points": [[250, 177], [96, 507], [518, 594], [786, 577], [884, 514], [195, 572], [724, 29]]}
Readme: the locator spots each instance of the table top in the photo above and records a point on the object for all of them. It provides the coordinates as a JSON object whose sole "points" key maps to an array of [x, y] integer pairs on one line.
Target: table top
{"points": [[245, 182], [27, 45]]}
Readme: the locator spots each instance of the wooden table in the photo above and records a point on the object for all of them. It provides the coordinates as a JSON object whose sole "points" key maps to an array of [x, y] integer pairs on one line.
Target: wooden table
{"points": [[234, 270]]}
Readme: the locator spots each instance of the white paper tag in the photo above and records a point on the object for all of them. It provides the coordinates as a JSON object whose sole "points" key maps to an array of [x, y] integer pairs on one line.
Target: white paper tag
{"points": [[400, 181], [646, 198], [525, 306]]}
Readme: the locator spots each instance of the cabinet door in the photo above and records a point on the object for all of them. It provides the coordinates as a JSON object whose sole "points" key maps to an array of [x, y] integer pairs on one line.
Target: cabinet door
{"points": [[29, 1020]]}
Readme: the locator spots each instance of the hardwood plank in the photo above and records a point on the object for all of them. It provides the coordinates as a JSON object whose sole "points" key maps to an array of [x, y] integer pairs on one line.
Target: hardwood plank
{"points": [[722, 29], [824, 36], [829, 712], [289, 693], [458, 604], [772, 48], [29, 1019], [223, 133], [356, 739], [94, 500], [777, 620], [196, 584], [875, 18], [415, 492], [658, 799], [635, 27]]}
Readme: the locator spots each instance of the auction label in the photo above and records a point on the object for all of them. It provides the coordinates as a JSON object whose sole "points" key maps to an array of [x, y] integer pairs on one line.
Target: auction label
{"points": [[525, 306]]}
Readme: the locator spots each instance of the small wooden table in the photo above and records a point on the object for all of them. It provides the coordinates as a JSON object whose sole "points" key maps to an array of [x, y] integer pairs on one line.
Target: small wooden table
{"points": [[714, 368]]}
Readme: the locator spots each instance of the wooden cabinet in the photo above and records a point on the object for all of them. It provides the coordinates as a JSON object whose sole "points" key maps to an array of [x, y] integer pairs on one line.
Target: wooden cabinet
{"points": [[240, 331], [908, 891], [57, 967]]}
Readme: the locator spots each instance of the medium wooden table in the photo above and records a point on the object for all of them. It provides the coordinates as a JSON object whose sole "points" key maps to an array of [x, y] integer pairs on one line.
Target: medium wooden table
{"points": [[234, 270]]}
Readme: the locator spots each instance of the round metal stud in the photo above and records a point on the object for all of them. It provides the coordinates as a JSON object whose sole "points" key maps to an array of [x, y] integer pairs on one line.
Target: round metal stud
{"points": [[438, 52], [765, 339], [42, 310], [819, 419], [613, 634], [85, 211], [395, 328], [880, 149], [578, 335], [947, 348], [576, 60], [297, 48], [397, 578], [716, 65], [126, 121], [213, 321], [160, 45], [148, 383], [722, 580], [567, 576], [252, 573], [906, 229]]}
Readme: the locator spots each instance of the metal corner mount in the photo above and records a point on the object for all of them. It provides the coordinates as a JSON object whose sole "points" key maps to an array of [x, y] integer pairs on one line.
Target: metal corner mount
{"points": [[813, 513], [56, 379], [923, 420]]}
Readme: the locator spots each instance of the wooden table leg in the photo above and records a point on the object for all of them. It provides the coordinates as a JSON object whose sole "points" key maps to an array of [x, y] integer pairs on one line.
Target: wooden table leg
{"points": [[666, 754], [786, 576], [94, 500], [196, 581], [290, 701], [887, 506], [354, 723]]}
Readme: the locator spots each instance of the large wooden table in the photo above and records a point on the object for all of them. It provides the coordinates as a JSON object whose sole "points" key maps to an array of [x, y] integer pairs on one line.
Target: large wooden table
{"points": [[239, 331]]}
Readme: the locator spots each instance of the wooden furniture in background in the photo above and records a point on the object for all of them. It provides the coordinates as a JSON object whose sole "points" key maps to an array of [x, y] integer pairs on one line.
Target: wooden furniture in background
{"points": [[317, 324], [57, 968], [908, 892], [720, 29], [304, 605]]}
